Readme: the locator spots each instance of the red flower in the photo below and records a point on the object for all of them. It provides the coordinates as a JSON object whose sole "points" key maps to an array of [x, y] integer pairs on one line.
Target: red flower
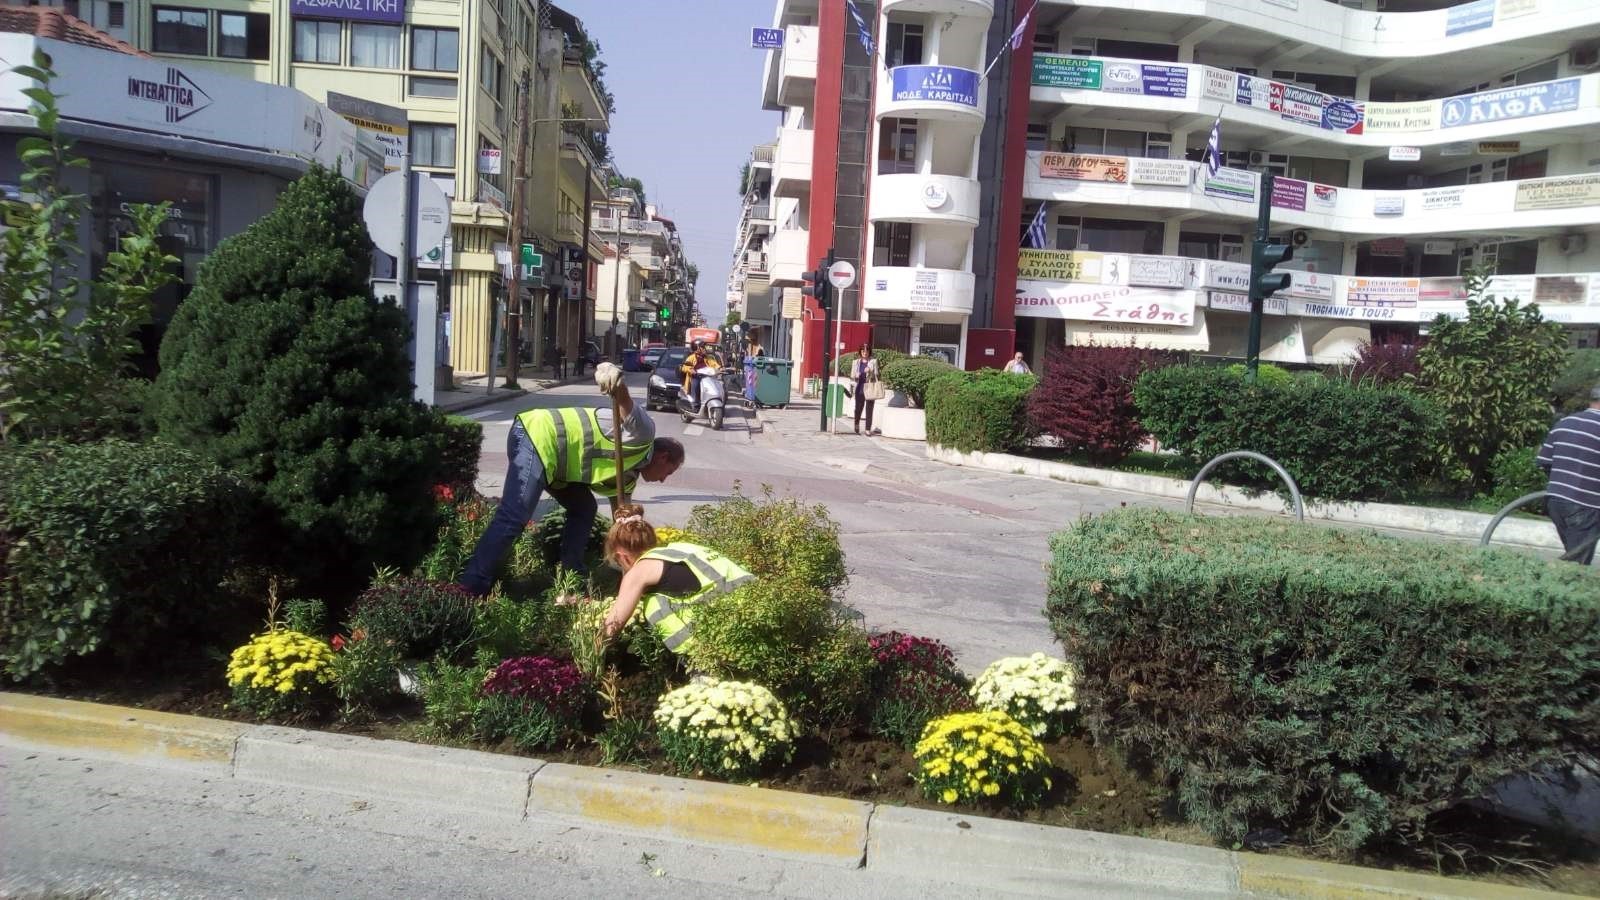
{"points": [[337, 642], [358, 634], [444, 493]]}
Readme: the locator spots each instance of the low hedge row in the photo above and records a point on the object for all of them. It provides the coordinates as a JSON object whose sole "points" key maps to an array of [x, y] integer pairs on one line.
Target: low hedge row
{"points": [[1342, 685], [913, 375], [986, 411]]}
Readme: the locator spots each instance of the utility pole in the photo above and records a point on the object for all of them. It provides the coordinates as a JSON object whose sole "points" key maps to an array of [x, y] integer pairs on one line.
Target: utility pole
{"points": [[616, 288], [519, 176]]}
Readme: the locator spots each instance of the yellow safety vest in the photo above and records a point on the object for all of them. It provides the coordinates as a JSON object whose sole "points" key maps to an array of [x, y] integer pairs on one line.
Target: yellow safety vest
{"points": [[575, 450], [673, 617]]}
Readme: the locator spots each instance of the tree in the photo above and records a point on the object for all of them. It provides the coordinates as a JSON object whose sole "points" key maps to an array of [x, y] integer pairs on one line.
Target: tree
{"points": [[65, 341], [694, 276], [1085, 399], [732, 318], [744, 179], [283, 368], [1491, 374]]}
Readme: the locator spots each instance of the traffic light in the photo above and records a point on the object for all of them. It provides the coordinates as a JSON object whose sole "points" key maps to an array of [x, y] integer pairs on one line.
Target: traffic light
{"points": [[818, 289], [1263, 257]]}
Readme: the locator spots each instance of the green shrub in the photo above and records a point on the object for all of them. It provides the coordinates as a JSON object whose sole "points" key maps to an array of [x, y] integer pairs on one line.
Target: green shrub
{"points": [[1266, 373], [113, 544], [419, 618], [790, 638], [547, 538], [912, 375], [507, 627], [1516, 473], [915, 680], [366, 673], [777, 540], [985, 411], [1571, 389], [1340, 441], [1342, 685], [450, 696], [841, 366], [1491, 374], [463, 444], [306, 616], [283, 368], [464, 515]]}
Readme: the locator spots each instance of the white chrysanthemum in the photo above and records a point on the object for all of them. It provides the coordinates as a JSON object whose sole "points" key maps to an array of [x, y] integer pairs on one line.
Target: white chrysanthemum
{"points": [[1035, 690]]}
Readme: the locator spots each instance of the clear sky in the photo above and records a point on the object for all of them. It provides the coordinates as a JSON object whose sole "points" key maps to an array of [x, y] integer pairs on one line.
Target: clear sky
{"points": [[688, 91]]}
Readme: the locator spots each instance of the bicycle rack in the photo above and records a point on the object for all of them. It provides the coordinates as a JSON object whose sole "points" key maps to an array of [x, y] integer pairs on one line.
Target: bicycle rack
{"points": [[1294, 489], [1507, 510]]}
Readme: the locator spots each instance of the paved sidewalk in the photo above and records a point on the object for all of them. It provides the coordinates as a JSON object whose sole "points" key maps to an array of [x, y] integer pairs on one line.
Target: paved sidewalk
{"points": [[470, 393]]}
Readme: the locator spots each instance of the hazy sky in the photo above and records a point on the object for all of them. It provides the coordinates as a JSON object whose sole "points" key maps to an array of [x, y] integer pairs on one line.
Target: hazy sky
{"points": [[688, 91]]}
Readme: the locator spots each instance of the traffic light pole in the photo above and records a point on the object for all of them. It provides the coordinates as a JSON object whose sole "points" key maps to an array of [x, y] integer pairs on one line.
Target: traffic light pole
{"points": [[827, 333], [1258, 296]]}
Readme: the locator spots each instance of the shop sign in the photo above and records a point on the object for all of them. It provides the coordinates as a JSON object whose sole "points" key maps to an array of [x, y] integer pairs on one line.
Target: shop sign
{"points": [[1302, 105], [1438, 248], [1389, 205], [766, 38], [1421, 115], [1220, 84], [1434, 199], [1442, 290], [1473, 16], [934, 84], [1160, 337], [1510, 103], [392, 11], [1232, 184], [1313, 285], [1511, 9], [1565, 192], [1382, 291], [1169, 172], [1456, 148], [1499, 148], [1405, 154], [387, 125], [1067, 72], [1227, 276], [1288, 193], [1057, 265], [1084, 168], [1324, 196], [1343, 115], [1315, 310], [1102, 303], [1151, 80], [1258, 93], [488, 161], [1156, 271], [1390, 247], [1232, 302], [1564, 290]]}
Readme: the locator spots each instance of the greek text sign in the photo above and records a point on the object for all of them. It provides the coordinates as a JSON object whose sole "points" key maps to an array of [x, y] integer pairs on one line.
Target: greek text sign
{"points": [[1234, 184], [1510, 103], [1057, 265], [934, 84], [1565, 192], [1084, 168], [1382, 291], [354, 10], [1288, 193], [1067, 72], [1422, 115], [1104, 303], [1170, 172]]}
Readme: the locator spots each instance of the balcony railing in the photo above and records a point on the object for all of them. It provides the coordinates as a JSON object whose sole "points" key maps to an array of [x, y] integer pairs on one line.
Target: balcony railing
{"points": [[763, 153], [578, 145], [570, 226]]}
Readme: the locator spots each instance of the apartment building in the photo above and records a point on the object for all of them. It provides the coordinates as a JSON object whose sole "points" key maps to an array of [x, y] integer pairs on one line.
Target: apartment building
{"points": [[750, 291], [1408, 144], [451, 83], [645, 291]]}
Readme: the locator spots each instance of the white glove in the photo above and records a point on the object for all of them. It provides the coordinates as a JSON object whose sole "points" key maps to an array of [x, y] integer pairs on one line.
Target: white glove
{"points": [[608, 377]]}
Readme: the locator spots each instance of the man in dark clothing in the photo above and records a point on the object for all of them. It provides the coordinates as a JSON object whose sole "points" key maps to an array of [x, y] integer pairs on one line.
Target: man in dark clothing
{"points": [[1571, 456]]}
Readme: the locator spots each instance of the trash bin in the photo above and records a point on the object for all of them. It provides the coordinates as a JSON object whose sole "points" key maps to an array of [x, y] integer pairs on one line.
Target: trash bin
{"points": [[773, 377], [630, 359], [834, 402]]}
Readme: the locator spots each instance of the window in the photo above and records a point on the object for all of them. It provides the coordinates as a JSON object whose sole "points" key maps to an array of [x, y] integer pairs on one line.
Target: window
{"points": [[1121, 236], [492, 73], [375, 46], [116, 14], [897, 146], [316, 42], [432, 87], [434, 49], [244, 35], [904, 44], [433, 145], [181, 31], [891, 244], [1038, 136]]}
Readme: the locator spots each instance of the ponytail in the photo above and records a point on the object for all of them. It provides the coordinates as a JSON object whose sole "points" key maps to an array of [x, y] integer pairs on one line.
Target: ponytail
{"points": [[630, 533]]}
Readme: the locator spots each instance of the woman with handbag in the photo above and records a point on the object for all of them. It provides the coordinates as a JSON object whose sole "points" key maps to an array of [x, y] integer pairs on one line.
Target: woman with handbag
{"points": [[868, 389]]}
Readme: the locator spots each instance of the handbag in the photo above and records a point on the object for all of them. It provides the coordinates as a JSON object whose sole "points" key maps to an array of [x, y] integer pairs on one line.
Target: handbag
{"points": [[873, 390]]}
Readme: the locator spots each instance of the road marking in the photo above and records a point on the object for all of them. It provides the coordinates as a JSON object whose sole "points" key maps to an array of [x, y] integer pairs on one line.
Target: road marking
{"points": [[692, 430]]}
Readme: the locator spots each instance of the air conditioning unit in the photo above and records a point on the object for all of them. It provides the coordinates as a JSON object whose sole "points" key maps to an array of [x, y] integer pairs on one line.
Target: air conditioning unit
{"points": [[1572, 244], [1258, 157], [1585, 59], [1299, 237]]}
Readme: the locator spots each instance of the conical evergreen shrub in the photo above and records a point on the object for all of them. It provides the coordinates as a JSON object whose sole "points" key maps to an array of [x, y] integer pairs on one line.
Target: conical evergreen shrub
{"points": [[283, 367]]}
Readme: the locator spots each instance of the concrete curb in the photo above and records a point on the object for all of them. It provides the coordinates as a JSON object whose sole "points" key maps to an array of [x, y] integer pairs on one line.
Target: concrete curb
{"points": [[461, 406], [1440, 522], [980, 852]]}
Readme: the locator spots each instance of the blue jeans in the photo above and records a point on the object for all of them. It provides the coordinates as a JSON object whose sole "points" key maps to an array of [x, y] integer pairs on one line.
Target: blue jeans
{"points": [[525, 482]]}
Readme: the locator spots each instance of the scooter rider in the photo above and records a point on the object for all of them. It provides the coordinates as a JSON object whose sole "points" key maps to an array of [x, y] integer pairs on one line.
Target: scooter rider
{"points": [[698, 358]]}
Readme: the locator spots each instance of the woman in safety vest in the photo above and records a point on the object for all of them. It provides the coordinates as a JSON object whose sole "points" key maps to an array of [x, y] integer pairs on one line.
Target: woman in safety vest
{"points": [[674, 581]]}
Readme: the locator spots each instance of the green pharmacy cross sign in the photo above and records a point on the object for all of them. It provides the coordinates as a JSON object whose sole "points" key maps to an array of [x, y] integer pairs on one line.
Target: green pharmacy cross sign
{"points": [[532, 267]]}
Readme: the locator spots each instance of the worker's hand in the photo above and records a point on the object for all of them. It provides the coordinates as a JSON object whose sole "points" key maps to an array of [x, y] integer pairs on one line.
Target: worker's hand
{"points": [[608, 377]]}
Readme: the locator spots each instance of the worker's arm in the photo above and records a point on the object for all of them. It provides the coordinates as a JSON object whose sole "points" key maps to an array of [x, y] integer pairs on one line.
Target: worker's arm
{"points": [[645, 574]]}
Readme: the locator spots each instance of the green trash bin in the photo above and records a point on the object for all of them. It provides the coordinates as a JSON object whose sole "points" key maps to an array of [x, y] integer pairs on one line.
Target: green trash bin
{"points": [[773, 378], [835, 399]]}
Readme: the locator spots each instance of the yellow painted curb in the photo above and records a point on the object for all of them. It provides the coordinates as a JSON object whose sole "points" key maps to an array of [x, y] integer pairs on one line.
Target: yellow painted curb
{"points": [[117, 729], [821, 829], [1277, 876]]}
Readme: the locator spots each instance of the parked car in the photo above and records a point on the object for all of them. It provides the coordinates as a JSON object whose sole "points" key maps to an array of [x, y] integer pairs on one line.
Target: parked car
{"points": [[650, 356], [665, 379], [591, 355]]}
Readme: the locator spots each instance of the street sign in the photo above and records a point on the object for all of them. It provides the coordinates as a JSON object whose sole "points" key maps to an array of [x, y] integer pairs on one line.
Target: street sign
{"points": [[385, 209], [766, 38], [841, 274]]}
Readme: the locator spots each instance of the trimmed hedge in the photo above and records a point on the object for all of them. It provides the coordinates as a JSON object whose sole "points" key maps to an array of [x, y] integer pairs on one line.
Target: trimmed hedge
{"points": [[1085, 399], [986, 410], [463, 444], [111, 544], [1340, 685], [911, 376], [1340, 441], [885, 356]]}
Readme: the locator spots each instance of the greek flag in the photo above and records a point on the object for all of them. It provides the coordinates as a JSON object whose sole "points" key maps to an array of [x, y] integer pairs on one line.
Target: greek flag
{"points": [[862, 31], [1016, 39], [1214, 148], [1036, 235]]}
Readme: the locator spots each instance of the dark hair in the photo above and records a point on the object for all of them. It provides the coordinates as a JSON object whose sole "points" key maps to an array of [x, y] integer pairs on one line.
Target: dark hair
{"points": [[670, 448], [866, 348]]}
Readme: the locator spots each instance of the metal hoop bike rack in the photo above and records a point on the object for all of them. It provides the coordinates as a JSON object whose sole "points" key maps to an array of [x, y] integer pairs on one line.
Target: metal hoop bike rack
{"points": [[1294, 489], [1524, 500]]}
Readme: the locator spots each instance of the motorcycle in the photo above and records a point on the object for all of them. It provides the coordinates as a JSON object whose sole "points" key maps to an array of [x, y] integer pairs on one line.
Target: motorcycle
{"points": [[713, 396]]}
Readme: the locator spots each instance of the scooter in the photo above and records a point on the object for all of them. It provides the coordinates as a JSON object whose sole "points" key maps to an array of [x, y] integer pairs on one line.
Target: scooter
{"points": [[713, 397]]}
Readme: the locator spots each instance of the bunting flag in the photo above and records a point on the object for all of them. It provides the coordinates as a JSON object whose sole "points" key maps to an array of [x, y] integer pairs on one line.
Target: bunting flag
{"points": [[863, 33], [1214, 147], [1015, 43], [1036, 235]]}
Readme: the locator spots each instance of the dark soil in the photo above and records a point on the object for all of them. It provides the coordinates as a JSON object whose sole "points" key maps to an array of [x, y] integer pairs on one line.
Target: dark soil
{"points": [[1093, 790]]}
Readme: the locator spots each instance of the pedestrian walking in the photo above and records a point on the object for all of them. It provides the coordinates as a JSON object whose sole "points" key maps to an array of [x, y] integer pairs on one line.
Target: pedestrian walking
{"points": [[570, 454], [1018, 366], [1571, 457], [868, 389], [675, 581]]}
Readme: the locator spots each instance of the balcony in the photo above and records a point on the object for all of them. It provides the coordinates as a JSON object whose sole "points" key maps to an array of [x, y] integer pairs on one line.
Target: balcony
{"points": [[577, 155], [797, 73], [925, 199], [787, 255], [791, 173], [916, 289], [755, 262], [975, 8], [569, 228], [763, 154], [936, 93]]}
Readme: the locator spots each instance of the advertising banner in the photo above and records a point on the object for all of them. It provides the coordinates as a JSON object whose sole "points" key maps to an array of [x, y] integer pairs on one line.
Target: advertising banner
{"points": [[1226, 276], [1257, 92], [1390, 205], [1312, 285], [1163, 81], [1561, 290], [385, 124], [1382, 291], [1053, 300], [1067, 72], [1169, 172], [1388, 247], [1157, 271], [1233, 184], [1160, 337], [1441, 290], [1473, 16], [1288, 193], [1220, 84], [1423, 115], [1324, 197], [1343, 115], [1122, 78], [1510, 103], [1434, 199], [1320, 310], [1084, 168], [1302, 105], [392, 11], [766, 38], [1058, 265], [1564, 192], [934, 84]]}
